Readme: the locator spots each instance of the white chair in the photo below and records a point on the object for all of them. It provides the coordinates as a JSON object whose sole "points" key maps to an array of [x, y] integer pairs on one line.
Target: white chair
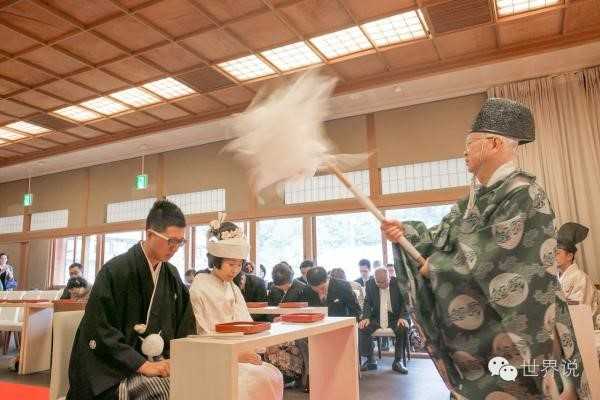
{"points": [[10, 319], [64, 327]]}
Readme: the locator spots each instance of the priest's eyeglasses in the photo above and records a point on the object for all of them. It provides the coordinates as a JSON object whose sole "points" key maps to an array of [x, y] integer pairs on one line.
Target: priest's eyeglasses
{"points": [[172, 242]]}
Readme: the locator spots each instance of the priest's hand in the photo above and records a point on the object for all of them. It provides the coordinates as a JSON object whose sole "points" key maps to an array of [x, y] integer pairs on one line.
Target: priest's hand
{"points": [[363, 324], [250, 358], [393, 230], [424, 270], [158, 368], [402, 323]]}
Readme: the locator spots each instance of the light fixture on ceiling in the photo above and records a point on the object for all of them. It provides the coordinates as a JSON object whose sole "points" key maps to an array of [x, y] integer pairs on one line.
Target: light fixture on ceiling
{"points": [[292, 56], [341, 43], [246, 68], [28, 197], [511, 7], [105, 105], [141, 180], [27, 127], [135, 97], [76, 113], [169, 88], [395, 29]]}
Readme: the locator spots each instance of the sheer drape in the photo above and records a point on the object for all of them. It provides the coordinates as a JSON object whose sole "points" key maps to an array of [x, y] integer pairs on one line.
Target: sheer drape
{"points": [[566, 154]]}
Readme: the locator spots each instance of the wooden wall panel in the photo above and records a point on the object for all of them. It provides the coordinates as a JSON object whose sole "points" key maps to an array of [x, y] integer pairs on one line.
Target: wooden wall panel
{"points": [[425, 132], [204, 168], [115, 182]]}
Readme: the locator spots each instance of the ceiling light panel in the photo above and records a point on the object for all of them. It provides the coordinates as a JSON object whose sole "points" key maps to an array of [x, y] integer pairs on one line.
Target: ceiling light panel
{"points": [[10, 135], [105, 105], [395, 29], [169, 88], [26, 127], [135, 97], [77, 113], [511, 7], [341, 43], [246, 68], [292, 56]]}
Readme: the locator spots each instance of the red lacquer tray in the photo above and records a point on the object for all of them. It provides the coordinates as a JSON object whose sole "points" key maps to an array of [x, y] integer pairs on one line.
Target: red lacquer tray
{"points": [[245, 327], [257, 304], [303, 317], [294, 304]]}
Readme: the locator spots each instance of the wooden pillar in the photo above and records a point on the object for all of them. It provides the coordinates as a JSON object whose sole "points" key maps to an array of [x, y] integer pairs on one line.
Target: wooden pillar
{"points": [[374, 171], [160, 177], [307, 234]]}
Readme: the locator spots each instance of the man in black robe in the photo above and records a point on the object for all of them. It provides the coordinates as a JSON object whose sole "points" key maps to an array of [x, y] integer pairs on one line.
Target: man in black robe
{"points": [[136, 296], [305, 266]]}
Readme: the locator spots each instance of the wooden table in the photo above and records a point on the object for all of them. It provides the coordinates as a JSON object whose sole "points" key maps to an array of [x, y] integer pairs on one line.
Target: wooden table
{"points": [[36, 336], [285, 310], [69, 305], [208, 367]]}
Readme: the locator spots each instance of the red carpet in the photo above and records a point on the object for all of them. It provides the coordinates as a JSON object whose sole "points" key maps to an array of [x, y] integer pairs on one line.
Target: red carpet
{"points": [[11, 391]]}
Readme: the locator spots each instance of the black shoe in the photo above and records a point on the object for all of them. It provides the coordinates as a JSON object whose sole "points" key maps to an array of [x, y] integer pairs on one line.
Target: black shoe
{"points": [[368, 366], [398, 366]]}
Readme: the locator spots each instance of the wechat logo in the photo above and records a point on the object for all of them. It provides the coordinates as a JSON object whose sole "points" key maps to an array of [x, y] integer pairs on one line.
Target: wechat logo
{"points": [[500, 366]]}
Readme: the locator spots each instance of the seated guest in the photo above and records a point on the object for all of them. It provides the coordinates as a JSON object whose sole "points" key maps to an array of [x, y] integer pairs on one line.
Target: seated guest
{"points": [[285, 288], [365, 272], [77, 288], [304, 267], [576, 284], [75, 271], [253, 288], [384, 308], [216, 299], [391, 270], [189, 277], [339, 273], [333, 293], [262, 272], [7, 275], [135, 294], [291, 358]]}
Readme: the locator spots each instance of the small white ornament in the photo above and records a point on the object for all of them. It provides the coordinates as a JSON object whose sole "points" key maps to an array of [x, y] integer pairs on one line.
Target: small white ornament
{"points": [[92, 344], [152, 346]]}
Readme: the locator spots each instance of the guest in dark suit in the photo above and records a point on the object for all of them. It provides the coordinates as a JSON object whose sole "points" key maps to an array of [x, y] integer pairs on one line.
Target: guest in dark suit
{"points": [[290, 358], [384, 307], [304, 267], [286, 289], [254, 289], [337, 295], [365, 272]]}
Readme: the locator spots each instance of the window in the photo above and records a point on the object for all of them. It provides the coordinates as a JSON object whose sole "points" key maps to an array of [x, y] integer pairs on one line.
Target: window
{"points": [[279, 240], [429, 215], [425, 176], [119, 243], [66, 252], [199, 232], [89, 262], [344, 239], [325, 187]]}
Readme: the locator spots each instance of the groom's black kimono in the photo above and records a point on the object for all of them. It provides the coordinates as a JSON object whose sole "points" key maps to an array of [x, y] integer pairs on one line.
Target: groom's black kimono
{"points": [[106, 349]]}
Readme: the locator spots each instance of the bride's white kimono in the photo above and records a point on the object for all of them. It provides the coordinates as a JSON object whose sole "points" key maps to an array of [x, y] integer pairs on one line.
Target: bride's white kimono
{"points": [[215, 302]]}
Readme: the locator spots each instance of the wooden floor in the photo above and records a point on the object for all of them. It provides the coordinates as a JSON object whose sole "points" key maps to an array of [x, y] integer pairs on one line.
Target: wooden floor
{"points": [[421, 383]]}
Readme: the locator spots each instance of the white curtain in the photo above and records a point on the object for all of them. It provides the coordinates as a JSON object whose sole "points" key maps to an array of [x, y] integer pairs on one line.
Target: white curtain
{"points": [[565, 156]]}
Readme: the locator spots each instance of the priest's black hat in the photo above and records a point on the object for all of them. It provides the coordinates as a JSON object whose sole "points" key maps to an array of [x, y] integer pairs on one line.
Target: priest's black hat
{"points": [[570, 234], [507, 118]]}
